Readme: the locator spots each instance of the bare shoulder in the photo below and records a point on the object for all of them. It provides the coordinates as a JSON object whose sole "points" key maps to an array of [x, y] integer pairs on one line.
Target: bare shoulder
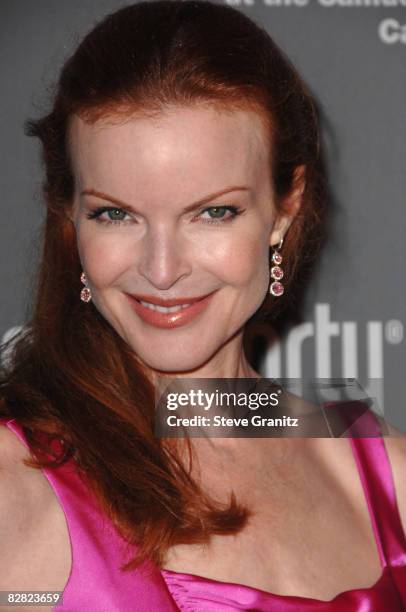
{"points": [[34, 541], [15, 477], [12, 451], [14, 474], [20, 488], [18, 481]]}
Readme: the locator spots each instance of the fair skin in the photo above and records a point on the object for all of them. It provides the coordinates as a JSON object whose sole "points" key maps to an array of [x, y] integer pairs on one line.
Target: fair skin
{"points": [[159, 168], [311, 534]]}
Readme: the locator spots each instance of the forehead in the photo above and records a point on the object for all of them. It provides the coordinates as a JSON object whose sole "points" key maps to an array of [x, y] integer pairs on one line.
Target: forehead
{"points": [[187, 149]]}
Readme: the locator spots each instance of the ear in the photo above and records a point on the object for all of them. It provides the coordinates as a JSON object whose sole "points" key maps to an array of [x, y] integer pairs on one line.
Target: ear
{"points": [[290, 206]]}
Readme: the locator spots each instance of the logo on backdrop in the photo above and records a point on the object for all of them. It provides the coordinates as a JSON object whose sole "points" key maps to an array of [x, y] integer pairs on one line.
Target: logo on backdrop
{"points": [[364, 362]]}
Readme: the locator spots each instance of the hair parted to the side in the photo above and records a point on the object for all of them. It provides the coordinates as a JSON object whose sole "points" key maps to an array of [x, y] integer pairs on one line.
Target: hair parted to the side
{"points": [[71, 376]]}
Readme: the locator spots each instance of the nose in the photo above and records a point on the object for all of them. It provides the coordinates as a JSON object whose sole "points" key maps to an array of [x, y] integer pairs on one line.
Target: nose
{"points": [[164, 259]]}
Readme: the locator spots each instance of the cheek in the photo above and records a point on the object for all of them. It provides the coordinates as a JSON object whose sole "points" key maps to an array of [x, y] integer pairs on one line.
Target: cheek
{"points": [[241, 259], [103, 256]]}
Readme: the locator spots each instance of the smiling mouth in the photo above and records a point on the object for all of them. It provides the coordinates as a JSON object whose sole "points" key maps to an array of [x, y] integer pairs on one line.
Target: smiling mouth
{"points": [[158, 308], [168, 313]]}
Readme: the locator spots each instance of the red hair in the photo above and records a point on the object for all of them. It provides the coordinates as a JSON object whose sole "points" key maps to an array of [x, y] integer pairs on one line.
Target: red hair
{"points": [[71, 376]]}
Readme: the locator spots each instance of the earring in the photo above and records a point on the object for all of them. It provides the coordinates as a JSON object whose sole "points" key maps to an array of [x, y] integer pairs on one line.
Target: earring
{"points": [[85, 294], [276, 287]]}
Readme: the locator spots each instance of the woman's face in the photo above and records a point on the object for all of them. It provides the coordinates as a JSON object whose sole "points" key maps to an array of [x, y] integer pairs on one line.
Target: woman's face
{"points": [[177, 207]]}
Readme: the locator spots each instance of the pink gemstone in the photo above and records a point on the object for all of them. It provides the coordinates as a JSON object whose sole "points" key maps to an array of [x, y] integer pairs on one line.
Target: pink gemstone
{"points": [[276, 288], [277, 258], [85, 295], [83, 278], [276, 272]]}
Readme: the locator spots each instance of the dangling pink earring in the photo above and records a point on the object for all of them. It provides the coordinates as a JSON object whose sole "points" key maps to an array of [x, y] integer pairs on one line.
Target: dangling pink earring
{"points": [[85, 294], [276, 287]]}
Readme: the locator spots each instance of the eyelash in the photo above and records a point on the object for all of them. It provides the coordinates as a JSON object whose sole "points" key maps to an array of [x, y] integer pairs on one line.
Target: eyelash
{"points": [[95, 214]]}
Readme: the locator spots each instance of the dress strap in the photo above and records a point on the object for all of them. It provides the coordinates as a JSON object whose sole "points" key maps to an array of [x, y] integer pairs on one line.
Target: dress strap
{"points": [[377, 480]]}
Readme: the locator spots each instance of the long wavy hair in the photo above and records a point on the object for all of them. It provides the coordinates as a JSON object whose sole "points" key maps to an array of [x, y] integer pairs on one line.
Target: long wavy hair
{"points": [[69, 375]]}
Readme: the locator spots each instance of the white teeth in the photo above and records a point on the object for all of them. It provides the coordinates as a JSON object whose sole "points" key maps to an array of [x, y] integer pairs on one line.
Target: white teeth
{"points": [[163, 308]]}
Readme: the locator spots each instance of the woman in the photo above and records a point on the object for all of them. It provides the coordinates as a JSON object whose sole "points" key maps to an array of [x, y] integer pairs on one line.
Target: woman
{"points": [[181, 151]]}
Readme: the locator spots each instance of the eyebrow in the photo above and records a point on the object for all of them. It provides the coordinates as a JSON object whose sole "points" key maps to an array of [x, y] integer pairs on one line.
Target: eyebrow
{"points": [[191, 207]]}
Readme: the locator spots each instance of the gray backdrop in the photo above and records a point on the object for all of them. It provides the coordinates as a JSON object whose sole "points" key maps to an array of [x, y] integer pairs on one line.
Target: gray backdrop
{"points": [[353, 58]]}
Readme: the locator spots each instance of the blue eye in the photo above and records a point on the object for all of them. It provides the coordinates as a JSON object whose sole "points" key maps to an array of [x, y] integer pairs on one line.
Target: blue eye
{"points": [[218, 214], [116, 213], [115, 216]]}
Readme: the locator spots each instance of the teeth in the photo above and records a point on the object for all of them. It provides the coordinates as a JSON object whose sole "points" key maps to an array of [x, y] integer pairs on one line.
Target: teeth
{"points": [[163, 308]]}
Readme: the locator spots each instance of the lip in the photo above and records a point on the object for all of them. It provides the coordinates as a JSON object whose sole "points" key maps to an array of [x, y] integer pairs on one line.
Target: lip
{"points": [[169, 320]]}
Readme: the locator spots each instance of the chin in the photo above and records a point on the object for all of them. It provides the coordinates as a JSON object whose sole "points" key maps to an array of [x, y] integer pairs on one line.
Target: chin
{"points": [[184, 362], [175, 366]]}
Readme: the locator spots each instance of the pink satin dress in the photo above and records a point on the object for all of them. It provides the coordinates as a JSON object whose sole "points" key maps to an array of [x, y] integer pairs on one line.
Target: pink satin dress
{"points": [[96, 583]]}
